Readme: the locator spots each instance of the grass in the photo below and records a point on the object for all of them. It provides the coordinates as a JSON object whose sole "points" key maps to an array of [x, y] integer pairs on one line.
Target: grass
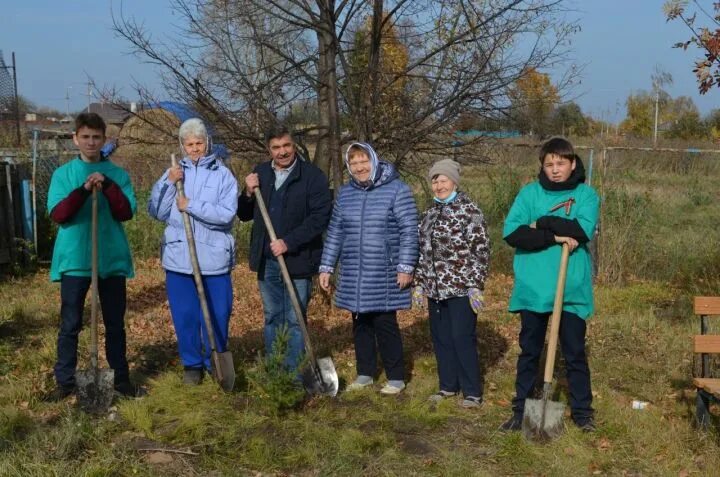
{"points": [[656, 251], [638, 350]]}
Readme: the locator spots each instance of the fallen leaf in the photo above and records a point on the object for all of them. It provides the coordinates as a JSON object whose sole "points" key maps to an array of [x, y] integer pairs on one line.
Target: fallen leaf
{"points": [[159, 458]]}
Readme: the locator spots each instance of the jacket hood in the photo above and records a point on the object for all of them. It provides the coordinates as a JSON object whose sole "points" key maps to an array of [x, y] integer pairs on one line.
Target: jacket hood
{"points": [[381, 172], [210, 161], [576, 178]]}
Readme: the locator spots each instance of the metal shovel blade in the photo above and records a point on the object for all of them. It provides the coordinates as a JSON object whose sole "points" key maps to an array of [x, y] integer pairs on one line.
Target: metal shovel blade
{"points": [[543, 419], [95, 389], [331, 383], [225, 375], [322, 378]]}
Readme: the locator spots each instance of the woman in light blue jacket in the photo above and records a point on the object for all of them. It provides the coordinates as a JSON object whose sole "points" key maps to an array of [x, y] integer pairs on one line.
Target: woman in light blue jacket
{"points": [[211, 201]]}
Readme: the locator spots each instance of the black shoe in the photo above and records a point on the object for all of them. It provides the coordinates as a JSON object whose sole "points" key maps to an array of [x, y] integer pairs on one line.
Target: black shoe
{"points": [[129, 390], [586, 425], [513, 424], [193, 376], [59, 393]]}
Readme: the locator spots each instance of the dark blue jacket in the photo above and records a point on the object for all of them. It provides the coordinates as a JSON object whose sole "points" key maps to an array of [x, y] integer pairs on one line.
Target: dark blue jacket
{"points": [[305, 213], [372, 236]]}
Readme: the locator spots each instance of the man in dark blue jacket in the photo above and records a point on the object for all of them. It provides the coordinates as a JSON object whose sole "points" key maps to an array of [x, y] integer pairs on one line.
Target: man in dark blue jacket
{"points": [[299, 202]]}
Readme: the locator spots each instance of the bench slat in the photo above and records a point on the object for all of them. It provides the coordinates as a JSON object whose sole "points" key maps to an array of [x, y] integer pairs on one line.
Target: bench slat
{"points": [[707, 305], [706, 344], [708, 384]]}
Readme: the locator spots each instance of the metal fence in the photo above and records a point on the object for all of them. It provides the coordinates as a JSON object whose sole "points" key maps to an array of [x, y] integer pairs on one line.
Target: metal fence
{"points": [[9, 107], [50, 149]]}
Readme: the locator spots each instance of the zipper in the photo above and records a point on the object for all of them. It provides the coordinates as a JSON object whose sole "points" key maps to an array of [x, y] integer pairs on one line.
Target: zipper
{"points": [[360, 255]]}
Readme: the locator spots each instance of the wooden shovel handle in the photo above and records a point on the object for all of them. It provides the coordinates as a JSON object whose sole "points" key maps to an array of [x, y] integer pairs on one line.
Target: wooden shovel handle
{"points": [[198, 279], [286, 277], [94, 282], [556, 313]]}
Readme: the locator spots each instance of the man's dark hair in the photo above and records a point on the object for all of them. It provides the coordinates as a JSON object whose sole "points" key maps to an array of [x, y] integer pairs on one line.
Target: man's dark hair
{"points": [[276, 131], [90, 120], [557, 145]]}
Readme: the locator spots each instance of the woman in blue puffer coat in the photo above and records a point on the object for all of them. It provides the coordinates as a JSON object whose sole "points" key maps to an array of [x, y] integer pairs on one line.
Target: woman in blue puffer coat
{"points": [[373, 236], [211, 202]]}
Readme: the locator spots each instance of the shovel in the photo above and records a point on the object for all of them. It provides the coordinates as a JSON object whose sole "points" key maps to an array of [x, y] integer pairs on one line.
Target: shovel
{"points": [[223, 368], [324, 376], [95, 387], [542, 419]]}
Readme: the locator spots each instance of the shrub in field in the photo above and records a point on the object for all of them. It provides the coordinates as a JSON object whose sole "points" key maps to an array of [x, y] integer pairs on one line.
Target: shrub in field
{"points": [[504, 187], [271, 382], [143, 232], [698, 193], [621, 245]]}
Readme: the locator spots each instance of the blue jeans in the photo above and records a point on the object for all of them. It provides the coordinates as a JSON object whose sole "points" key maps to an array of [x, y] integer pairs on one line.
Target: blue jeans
{"points": [[279, 313], [192, 338]]}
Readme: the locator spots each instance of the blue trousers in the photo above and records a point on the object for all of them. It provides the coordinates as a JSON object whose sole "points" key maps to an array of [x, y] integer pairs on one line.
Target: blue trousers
{"points": [[572, 342], [193, 344], [73, 291], [279, 313], [452, 325]]}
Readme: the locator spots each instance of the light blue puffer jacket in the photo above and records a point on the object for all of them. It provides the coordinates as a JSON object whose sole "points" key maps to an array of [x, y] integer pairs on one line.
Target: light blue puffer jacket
{"points": [[372, 236], [212, 191]]}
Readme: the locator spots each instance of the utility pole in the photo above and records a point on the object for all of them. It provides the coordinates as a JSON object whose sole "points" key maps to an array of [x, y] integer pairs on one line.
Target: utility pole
{"points": [[659, 79], [67, 101], [657, 108], [89, 94]]}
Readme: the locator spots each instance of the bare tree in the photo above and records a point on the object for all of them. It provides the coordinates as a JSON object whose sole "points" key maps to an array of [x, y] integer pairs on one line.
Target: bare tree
{"points": [[246, 62]]}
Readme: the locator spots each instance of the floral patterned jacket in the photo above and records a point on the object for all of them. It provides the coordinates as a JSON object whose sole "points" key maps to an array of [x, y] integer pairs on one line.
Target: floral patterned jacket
{"points": [[454, 249]]}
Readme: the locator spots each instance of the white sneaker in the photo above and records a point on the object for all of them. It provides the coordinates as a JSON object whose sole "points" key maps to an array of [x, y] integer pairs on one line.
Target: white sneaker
{"points": [[392, 389], [360, 383]]}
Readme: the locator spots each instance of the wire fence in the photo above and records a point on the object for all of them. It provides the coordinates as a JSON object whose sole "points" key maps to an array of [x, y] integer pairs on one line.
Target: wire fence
{"points": [[50, 149], [9, 113]]}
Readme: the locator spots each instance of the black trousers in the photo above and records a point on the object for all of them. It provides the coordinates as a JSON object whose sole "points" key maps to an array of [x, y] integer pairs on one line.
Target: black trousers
{"points": [[383, 328], [453, 326], [572, 342], [73, 291]]}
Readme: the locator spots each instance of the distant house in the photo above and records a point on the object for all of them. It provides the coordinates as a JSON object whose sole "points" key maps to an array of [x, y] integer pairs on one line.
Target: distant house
{"points": [[112, 114], [157, 123]]}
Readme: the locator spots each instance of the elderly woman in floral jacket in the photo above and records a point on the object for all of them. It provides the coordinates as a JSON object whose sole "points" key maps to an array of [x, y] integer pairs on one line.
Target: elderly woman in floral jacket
{"points": [[454, 253]]}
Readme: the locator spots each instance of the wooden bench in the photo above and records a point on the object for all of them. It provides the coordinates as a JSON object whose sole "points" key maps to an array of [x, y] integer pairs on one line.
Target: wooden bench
{"points": [[704, 344]]}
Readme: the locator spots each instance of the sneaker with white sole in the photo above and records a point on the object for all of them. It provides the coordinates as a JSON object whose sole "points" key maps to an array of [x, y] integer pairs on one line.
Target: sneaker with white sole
{"points": [[471, 402], [440, 395], [360, 382], [392, 388]]}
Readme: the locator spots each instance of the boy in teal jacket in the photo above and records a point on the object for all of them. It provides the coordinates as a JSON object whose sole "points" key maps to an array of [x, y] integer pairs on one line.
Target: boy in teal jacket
{"points": [[69, 206], [558, 208]]}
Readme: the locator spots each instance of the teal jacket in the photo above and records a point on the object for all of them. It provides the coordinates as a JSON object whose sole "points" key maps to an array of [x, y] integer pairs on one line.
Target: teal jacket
{"points": [[536, 265], [72, 252]]}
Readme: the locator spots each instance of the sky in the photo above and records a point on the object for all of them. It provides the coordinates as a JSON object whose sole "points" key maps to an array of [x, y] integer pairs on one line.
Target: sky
{"points": [[59, 45]]}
